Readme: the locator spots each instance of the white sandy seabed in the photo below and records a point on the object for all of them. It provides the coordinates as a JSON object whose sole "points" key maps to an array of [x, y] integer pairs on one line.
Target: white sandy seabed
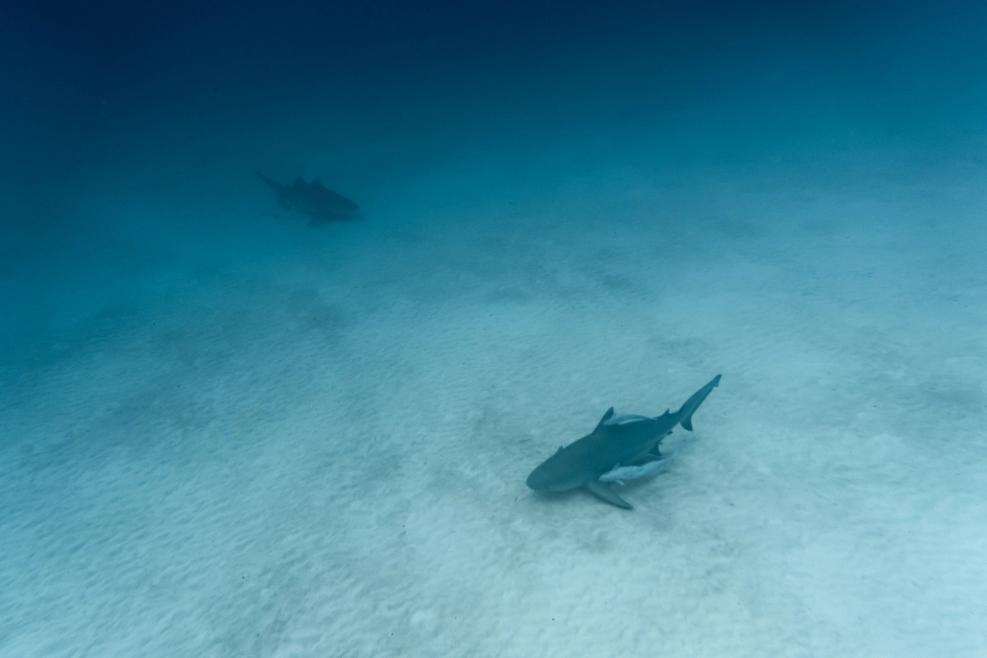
{"points": [[237, 436]]}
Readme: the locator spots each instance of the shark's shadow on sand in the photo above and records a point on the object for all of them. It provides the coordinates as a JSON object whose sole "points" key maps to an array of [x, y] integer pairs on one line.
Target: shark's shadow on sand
{"points": [[622, 447], [314, 200]]}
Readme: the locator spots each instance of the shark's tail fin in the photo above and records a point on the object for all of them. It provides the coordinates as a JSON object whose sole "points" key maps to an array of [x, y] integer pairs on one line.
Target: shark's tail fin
{"points": [[690, 406]]}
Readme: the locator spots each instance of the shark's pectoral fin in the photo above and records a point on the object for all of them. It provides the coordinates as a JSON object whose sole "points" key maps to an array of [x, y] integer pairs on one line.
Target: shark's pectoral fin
{"points": [[604, 492]]}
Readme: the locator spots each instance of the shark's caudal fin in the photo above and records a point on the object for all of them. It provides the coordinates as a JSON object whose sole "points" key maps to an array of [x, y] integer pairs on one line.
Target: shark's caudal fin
{"points": [[690, 406], [604, 492]]}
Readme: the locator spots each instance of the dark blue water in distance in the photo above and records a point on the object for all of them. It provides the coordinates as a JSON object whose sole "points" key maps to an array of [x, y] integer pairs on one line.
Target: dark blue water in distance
{"points": [[240, 417]]}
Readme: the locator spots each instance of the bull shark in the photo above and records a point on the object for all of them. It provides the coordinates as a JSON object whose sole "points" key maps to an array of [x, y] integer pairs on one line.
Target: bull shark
{"points": [[314, 199], [622, 447]]}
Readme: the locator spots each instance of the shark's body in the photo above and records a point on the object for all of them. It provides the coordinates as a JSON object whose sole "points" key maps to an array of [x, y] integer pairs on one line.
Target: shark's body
{"points": [[314, 200], [622, 447]]}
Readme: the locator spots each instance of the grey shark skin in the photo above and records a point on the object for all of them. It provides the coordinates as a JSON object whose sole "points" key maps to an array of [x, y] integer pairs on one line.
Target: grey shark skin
{"points": [[616, 443], [314, 199]]}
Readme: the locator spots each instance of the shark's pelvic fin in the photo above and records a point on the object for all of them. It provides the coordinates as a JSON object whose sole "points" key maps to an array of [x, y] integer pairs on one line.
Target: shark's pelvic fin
{"points": [[604, 492]]}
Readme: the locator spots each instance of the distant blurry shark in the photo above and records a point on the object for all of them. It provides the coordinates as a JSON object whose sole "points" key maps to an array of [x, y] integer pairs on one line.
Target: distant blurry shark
{"points": [[314, 199], [622, 447]]}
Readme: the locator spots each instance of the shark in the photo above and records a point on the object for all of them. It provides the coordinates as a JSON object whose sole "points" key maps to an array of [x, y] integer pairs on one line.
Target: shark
{"points": [[314, 199], [622, 447]]}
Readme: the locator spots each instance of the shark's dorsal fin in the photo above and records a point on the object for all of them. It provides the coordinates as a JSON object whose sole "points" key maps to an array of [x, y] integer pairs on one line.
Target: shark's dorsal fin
{"points": [[317, 183], [607, 416]]}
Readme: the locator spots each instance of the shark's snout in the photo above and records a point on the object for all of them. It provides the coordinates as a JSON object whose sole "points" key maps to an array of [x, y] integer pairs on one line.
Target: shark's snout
{"points": [[537, 480], [548, 478]]}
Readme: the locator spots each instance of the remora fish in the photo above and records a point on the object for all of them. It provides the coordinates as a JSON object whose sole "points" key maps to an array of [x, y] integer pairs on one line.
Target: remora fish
{"points": [[314, 199], [621, 447]]}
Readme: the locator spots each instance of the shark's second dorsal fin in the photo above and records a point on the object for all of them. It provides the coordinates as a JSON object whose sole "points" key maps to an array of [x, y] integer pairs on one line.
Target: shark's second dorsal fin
{"points": [[607, 416]]}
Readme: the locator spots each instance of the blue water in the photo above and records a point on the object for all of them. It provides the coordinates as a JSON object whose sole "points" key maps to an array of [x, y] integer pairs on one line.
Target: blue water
{"points": [[224, 432]]}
